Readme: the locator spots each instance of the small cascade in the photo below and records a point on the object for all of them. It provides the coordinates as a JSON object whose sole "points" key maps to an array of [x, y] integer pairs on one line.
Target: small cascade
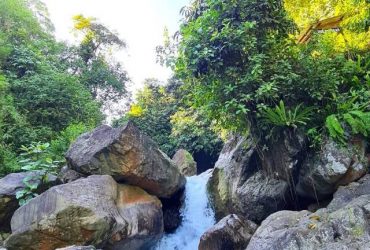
{"points": [[197, 214]]}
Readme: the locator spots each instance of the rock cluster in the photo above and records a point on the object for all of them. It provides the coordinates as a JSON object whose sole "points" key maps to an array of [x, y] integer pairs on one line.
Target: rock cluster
{"points": [[344, 224], [94, 210], [128, 156], [9, 185], [110, 198], [261, 184], [256, 184]]}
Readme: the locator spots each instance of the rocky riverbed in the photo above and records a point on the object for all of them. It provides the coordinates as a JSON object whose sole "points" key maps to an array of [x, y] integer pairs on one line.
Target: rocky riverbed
{"points": [[119, 191]]}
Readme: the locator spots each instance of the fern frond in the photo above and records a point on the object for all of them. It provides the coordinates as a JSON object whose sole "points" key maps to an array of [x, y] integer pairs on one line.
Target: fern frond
{"points": [[334, 127], [280, 116]]}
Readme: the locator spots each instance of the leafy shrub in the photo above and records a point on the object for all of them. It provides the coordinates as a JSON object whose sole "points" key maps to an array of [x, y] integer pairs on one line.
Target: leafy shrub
{"points": [[36, 157]]}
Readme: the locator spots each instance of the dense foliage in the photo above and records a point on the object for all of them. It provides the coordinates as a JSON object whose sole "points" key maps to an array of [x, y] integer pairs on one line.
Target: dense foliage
{"points": [[238, 67], [50, 91], [161, 112], [246, 71]]}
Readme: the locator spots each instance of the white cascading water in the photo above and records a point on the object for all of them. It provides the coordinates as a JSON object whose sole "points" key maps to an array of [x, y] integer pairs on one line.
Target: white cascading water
{"points": [[197, 215]]}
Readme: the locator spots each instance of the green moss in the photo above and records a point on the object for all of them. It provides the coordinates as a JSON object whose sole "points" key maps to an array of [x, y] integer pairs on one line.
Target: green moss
{"points": [[358, 231], [222, 187], [189, 158]]}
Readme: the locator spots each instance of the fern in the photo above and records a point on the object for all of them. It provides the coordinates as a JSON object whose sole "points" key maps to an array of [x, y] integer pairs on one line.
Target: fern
{"points": [[334, 127], [358, 121], [280, 116]]}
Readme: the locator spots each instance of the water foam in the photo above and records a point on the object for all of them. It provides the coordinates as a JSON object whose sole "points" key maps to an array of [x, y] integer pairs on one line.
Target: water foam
{"points": [[197, 214]]}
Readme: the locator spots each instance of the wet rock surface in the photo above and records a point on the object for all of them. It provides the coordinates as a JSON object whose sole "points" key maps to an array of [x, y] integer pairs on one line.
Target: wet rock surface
{"points": [[127, 155], [172, 217], [232, 232]]}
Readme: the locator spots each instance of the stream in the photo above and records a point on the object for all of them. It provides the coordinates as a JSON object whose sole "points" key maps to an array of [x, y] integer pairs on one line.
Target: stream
{"points": [[197, 214]]}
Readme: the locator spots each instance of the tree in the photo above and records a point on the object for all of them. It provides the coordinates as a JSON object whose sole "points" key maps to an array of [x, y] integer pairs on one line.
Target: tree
{"points": [[39, 96], [104, 77], [161, 113], [223, 56], [245, 71]]}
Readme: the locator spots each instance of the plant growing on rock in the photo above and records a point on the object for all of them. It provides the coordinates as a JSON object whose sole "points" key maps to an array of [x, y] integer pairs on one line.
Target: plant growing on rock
{"points": [[282, 117], [36, 158]]}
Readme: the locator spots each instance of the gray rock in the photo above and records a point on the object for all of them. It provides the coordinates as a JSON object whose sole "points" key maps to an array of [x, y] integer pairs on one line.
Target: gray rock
{"points": [[344, 224], [90, 211], [345, 194], [232, 232], [238, 185], [185, 162], [9, 185], [283, 156], [127, 155], [333, 166], [67, 175]]}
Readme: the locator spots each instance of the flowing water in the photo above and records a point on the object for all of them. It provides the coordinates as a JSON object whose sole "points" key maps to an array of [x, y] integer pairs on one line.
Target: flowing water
{"points": [[197, 215]]}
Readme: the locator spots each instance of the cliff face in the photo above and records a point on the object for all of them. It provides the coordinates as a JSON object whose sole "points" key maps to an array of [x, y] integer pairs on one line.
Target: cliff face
{"points": [[110, 201]]}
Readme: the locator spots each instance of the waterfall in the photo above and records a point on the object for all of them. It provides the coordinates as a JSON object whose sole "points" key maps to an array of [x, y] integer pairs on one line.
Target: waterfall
{"points": [[197, 215]]}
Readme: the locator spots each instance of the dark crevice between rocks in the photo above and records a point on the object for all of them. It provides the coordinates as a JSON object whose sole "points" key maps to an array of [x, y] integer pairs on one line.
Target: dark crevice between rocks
{"points": [[172, 217], [8, 211], [252, 166], [297, 202], [204, 161]]}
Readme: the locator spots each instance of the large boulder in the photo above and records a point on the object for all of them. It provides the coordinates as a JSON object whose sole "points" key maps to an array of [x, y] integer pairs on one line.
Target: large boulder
{"points": [[185, 162], [9, 185], [239, 185], [232, 232], [344, 224], [334, 165], [127, 155], [90, 211]]}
